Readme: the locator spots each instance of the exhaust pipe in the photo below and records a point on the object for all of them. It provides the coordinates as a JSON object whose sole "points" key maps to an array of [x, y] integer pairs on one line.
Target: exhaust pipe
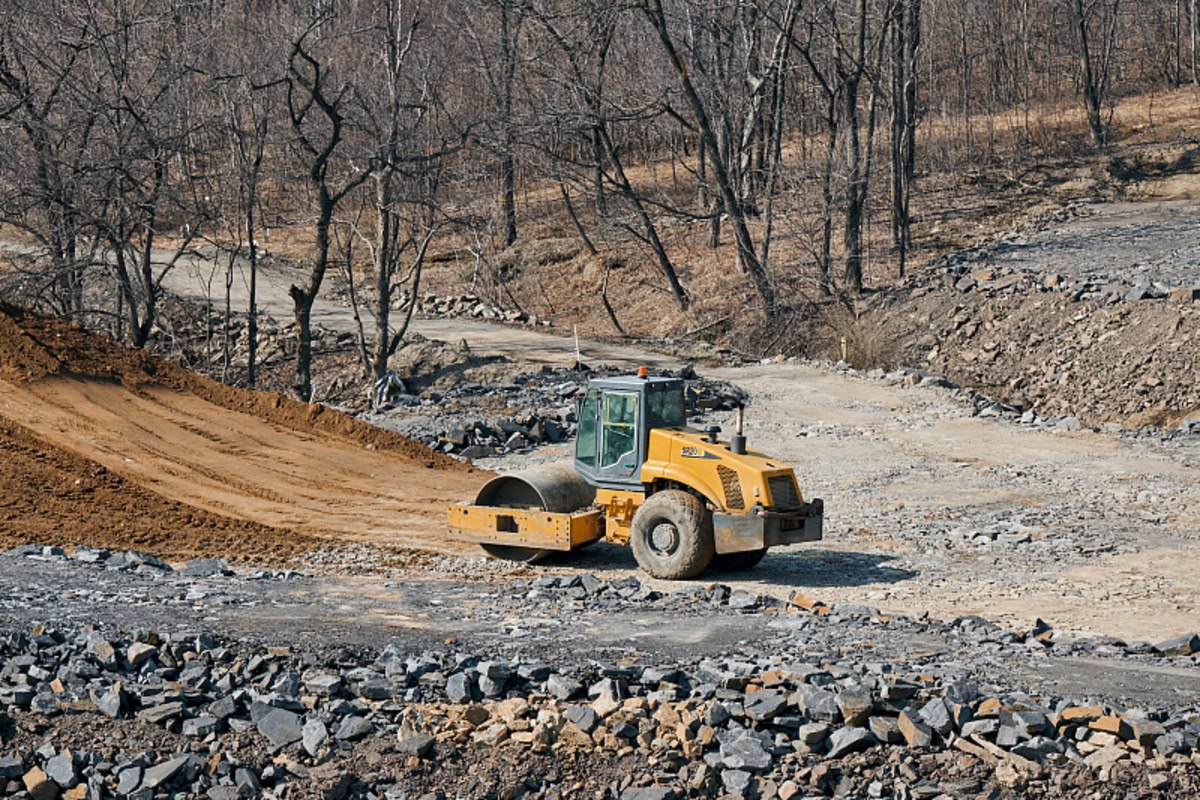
{"points": [[737, 442]]}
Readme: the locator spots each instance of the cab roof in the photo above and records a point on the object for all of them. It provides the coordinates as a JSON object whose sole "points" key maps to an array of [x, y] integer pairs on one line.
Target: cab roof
{"points": [[632, 383]]}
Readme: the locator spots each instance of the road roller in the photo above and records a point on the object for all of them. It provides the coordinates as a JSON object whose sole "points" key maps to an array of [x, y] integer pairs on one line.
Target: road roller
{"points": [[683, 499]]}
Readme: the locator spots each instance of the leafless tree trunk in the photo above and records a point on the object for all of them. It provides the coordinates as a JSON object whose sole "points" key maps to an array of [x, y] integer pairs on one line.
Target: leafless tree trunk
{"points": [[716, 204], [856, 178], [498, 61], [745, 246], [906, 33], [567, 204], [1087, 76], [318, 127], [1194, 36], [397, 42], [248, 117], [831, 119], [651, 230]]}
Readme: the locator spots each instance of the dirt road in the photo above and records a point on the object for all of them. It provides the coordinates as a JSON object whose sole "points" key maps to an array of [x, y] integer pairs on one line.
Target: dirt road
{"points": [[192, 277], [201, 279], [1092, 532]]}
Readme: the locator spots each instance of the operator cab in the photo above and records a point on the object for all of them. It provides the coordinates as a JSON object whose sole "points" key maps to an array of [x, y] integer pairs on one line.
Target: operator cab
{"points": [[615, 419]]}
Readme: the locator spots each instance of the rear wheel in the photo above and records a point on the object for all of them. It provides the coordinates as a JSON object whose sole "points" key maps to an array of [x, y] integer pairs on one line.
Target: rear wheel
{"points": [[672, 535], [735, 562]]}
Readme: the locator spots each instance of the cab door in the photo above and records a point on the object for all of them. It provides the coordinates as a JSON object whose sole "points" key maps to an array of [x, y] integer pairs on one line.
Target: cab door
{"points": [[619, 434], [587, 439]]}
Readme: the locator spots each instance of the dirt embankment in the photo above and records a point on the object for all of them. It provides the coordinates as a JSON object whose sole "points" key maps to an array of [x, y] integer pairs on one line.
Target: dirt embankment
{"points": [[35, 347], [52, 496], [108, 446]]}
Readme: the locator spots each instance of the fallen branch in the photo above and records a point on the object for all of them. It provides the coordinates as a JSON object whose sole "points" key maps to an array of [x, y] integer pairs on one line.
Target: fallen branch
{"points": [[712, 324]]}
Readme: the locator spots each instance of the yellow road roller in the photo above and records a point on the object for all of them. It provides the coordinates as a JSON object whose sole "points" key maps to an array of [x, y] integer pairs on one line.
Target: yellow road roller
{"points": [[683, 499]]}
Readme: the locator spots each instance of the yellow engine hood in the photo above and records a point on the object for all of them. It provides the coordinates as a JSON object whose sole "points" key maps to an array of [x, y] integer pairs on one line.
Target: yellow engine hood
{"points": [[731, 482]]}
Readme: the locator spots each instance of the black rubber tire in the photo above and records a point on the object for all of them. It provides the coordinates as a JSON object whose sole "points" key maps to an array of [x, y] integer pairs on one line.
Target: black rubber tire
{"points": [[691, 523], [736, 562]]}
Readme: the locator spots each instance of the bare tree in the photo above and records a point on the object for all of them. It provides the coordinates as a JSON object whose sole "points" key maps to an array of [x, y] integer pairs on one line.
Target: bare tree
{"points": [[41, 99], [851, 71], [1093, 78], [747, 255], [829, 91], [145, 131], [316, 102], [906, 38], [129, 128], [402, 106], [249, 125], [247, 89], [597, 120], [498, 46]]}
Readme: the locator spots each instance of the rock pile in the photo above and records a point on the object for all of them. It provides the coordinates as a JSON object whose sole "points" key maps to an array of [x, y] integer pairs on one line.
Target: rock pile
{"points": [[246, 719], [1108, 263], [982, 405], [512, 435], [1061, 318], [825, 707], [960, 276], [467, 305], [142, 563], [535, 409], [191, 333], [1130, 363]]}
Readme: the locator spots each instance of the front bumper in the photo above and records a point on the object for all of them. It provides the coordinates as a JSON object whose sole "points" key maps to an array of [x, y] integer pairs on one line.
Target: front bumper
{"points": [[736, 533], [766, 527]]}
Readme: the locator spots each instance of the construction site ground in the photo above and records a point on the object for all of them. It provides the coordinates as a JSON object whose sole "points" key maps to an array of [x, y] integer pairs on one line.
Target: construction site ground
{"points": [[1094, 532], [929, 508], [972, 535]]}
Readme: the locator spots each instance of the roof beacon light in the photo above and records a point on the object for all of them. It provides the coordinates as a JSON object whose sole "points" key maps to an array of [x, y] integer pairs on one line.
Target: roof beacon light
{"points": [[643, 372]]}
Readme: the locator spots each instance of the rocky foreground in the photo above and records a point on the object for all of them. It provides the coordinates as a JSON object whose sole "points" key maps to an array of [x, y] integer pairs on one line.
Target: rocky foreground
{"points": [[812, 701]]}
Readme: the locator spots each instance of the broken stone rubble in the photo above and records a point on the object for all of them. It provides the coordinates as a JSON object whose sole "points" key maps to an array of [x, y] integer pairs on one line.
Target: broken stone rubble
{"points": [[543, 403], [749, 718]]}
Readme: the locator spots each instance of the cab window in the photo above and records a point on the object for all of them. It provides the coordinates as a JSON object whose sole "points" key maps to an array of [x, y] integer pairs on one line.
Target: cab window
{"points": [[585, 441], [666, 408], [620, 427]]}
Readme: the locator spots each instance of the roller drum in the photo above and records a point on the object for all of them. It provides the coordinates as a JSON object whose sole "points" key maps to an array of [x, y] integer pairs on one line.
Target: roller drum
{"points": [[552, 487], [557, 488]]}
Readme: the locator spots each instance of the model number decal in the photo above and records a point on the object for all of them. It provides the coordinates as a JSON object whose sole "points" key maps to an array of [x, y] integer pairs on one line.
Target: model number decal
{"points": [[695, 452]]}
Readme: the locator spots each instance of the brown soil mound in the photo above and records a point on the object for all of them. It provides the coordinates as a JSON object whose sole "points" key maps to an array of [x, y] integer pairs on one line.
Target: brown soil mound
{"points": [[51, 496], [108, 446], [430, 364], [34, 347]]}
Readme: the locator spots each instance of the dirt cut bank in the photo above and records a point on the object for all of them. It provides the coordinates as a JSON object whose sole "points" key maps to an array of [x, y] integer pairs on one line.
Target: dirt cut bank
{"points": [[108, 446]]}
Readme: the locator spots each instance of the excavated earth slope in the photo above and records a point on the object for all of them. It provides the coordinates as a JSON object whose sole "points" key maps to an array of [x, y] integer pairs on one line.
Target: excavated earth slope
{"points": [[107, 446]]}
